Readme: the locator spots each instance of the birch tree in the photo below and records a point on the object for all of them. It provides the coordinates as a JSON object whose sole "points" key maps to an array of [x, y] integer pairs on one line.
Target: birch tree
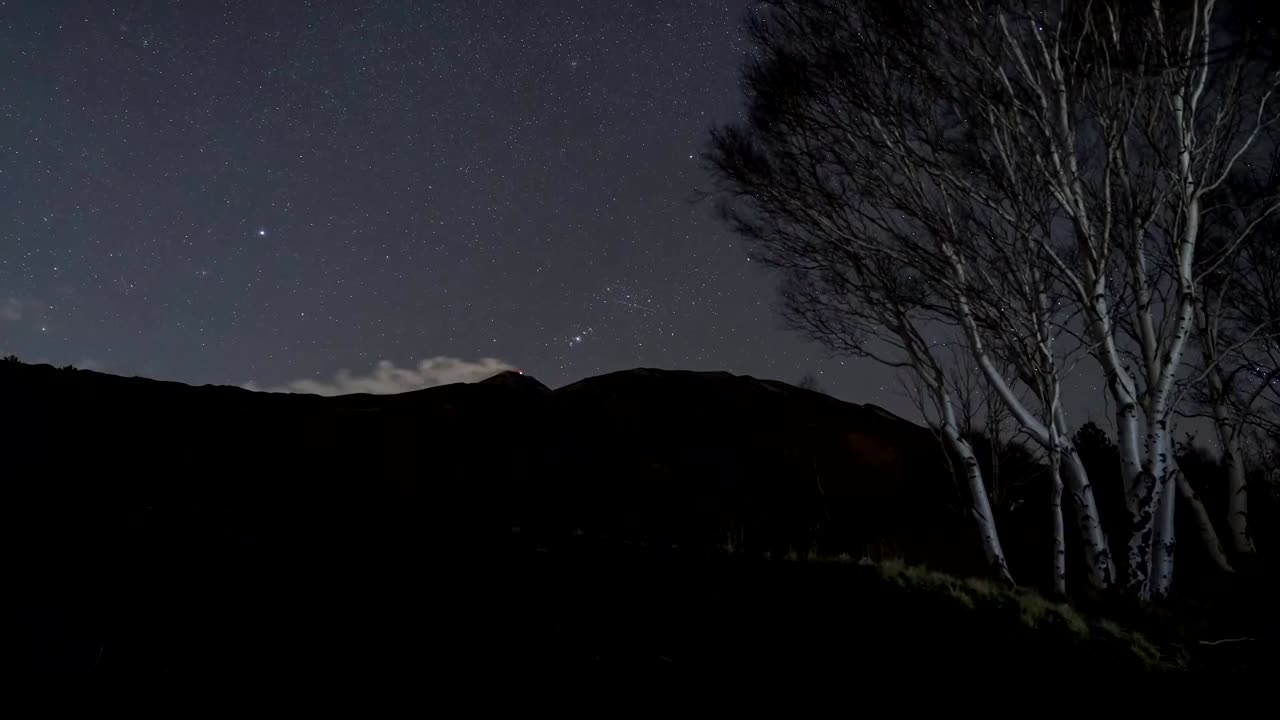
{"points": [[1007, 301], [1080, 138], [1127, 116], [841, 89], [981, 415], [866, 304], [1238, 322], [1238, 317], [856, 271]]}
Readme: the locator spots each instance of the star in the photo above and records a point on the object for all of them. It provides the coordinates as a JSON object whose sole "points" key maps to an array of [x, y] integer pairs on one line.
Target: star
{"points": [[377, 229]]}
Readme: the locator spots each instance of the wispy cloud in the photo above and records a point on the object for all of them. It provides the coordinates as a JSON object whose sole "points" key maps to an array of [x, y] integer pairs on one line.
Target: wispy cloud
{"points": [[387, 379], [11, 309]]}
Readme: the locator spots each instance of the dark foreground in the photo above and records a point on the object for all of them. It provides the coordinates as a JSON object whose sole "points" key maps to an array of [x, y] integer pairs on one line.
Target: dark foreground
{"points": [[169, 597], [506, 531], [575, 610]]}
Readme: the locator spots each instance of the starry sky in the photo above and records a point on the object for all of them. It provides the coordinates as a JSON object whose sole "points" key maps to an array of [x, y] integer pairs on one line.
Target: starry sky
{"points": [[272, 191]]}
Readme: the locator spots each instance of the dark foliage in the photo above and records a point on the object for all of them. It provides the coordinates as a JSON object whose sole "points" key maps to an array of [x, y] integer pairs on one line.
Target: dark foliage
{"points": [[1101, 459], [809, 381]]}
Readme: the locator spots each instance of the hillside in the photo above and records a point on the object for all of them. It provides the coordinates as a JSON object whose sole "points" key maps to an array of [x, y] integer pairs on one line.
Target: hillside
{"points": [[166, 528], [685, 458]]}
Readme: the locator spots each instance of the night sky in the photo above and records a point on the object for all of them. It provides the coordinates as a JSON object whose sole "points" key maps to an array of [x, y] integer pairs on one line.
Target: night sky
{"points": [[270, 191]]}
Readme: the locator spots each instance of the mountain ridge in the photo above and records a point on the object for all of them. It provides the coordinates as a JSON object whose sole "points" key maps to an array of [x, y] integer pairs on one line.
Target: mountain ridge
{"points": [[194, 522], [46, 373], [728, 443]]}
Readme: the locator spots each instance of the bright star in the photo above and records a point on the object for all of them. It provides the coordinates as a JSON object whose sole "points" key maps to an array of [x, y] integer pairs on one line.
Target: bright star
{"points": [[262, 232]]}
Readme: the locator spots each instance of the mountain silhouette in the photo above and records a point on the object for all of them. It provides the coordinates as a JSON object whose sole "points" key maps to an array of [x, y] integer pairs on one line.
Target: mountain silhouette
{"points": [[167, 520]]}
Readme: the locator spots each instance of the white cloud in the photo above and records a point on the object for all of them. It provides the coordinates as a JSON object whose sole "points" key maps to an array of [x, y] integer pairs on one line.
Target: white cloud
{"points": [[387, 379]]}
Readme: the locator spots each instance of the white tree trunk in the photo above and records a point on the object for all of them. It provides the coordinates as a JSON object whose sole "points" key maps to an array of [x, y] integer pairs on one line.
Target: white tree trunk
{"points": [[931, 375], [1204, 524], [1097, 551], [980, 505], [1165, 541], [1059, 531], [1233, 462], [1138, 498], [1052, 436]]}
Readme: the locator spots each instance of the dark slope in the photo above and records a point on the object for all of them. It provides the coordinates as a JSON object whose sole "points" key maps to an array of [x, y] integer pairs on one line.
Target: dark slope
{"points": [[754, 462], [192, 529], [655, 455]]}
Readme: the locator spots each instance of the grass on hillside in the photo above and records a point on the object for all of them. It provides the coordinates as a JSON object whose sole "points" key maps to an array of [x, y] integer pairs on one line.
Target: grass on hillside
{"points": [[803, 610]]}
